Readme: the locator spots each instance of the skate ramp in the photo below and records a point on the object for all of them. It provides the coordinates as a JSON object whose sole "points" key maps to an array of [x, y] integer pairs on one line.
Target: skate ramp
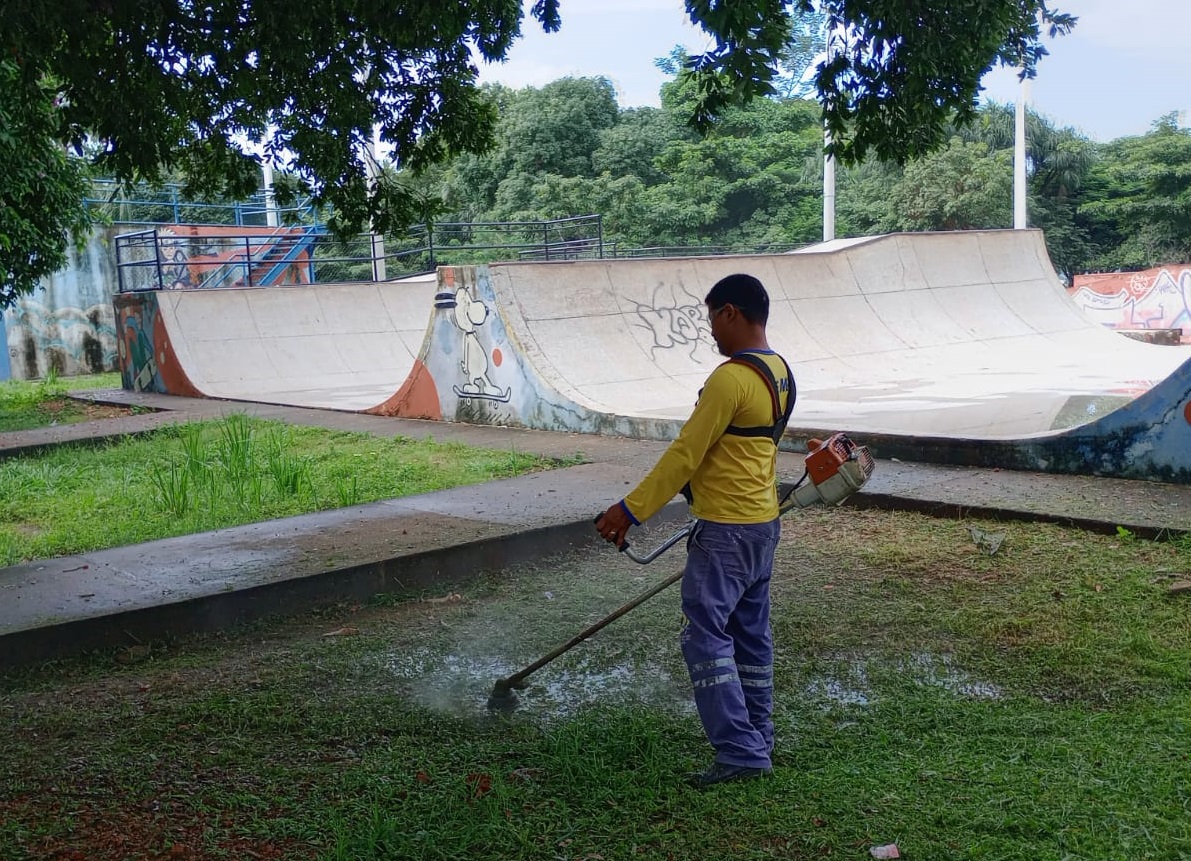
{"points": [[333, 346], [968, 334], [942, 346]]}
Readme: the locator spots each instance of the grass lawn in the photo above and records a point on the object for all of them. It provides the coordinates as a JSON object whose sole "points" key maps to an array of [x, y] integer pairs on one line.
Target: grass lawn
{"points": [[1031, 704], [32, 404], [198, 476]]}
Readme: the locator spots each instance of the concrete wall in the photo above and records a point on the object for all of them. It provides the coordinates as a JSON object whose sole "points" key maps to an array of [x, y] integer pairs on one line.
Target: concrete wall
{"points": [[67, 324]]}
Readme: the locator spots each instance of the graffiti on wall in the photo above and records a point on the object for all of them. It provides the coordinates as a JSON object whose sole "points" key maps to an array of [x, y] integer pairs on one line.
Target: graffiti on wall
{"points": [[66, 326], [1158, 298], [173, 254], [676, 320], [68, 341], [191, 256], [147, 360]]}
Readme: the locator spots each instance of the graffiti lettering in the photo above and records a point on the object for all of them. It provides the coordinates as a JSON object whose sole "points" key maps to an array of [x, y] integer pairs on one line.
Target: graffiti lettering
{"points": [[675, 324]]}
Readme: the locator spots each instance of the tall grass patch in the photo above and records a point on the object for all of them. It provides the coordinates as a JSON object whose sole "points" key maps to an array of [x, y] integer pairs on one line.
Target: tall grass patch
{"points": [[206, 475]]}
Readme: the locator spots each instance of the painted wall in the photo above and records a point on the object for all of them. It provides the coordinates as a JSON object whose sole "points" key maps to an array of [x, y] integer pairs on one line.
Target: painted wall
{"points": [[67, 324], [1158, 298], [147, 360], [5, 370], [201, 255]]}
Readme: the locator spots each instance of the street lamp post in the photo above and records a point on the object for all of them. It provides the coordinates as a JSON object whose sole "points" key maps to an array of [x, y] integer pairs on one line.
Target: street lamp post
{"points": [[1019, 157]]}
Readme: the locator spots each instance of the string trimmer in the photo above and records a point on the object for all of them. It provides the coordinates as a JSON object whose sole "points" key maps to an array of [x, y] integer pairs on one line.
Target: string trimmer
{"points": [[835, 469]]}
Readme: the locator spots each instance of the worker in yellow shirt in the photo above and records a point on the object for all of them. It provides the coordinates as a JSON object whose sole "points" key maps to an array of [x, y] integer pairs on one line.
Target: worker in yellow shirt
{"points": [[725, 462]]}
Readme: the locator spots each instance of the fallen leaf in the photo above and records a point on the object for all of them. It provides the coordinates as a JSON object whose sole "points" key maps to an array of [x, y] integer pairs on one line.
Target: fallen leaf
{"points": [[479, 783], [422, 777]]}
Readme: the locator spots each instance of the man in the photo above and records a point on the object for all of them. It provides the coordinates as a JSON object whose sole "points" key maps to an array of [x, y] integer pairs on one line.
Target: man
{"points": [[724, 461]]}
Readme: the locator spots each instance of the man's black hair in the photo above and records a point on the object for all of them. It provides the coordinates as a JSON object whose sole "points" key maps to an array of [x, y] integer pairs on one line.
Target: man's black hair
{"points": [[744, 292]]}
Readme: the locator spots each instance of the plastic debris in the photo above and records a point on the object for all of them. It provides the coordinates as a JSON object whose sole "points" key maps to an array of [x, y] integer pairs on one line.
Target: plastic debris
{"points": [[989, 542], [889, 850]]}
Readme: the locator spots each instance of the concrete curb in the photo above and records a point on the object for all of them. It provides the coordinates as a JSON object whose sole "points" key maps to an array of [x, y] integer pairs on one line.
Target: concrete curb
{"points": [[400, 576]]}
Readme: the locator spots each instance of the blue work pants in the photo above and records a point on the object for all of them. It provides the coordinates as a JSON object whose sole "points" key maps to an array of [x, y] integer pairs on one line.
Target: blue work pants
{"points": [[727, 641]]}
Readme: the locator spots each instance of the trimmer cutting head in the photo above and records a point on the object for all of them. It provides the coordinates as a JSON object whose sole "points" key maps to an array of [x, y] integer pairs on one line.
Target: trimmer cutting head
{"points": [[503, 698]]}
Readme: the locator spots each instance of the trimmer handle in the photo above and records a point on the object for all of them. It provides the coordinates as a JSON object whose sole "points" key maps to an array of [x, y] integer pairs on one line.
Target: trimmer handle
{"points": [[624, 545], [682, 533]]}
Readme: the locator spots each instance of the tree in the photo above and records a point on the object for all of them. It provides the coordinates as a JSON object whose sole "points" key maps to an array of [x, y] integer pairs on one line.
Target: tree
{"points": [[897, 73], [41, 188], [958, 188], [182, 86], [1058, 163], [1138, 207]]}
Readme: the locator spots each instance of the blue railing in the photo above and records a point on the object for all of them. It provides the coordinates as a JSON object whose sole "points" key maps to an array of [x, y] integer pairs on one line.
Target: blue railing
{"points": [[157, 259], [144, 204]]}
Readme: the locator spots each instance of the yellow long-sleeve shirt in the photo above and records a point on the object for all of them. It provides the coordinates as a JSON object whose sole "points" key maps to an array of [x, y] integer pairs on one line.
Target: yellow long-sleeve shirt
{"points": [[733, 478]]}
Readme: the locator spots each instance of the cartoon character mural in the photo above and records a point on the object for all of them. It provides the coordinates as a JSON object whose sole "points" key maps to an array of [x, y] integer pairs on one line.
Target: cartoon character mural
{"points": [[174, 260], [469, 314], [1158, 298]]}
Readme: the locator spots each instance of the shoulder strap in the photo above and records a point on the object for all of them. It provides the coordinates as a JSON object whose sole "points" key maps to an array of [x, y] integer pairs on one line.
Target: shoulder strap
{"points": [[780, 417]]}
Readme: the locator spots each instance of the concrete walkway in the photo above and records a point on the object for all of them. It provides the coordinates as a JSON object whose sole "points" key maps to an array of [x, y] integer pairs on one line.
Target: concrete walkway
{"points": [[129, 596]]}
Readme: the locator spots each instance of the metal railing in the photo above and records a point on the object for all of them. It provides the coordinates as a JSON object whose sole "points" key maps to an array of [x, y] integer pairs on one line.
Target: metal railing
{"points": [[165, 204], [556, 239], [156, 260], [708, 250], [159, 260]]}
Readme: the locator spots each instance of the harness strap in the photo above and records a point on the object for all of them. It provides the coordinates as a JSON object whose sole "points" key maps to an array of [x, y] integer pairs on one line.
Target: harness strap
{"points": [[780, 417]]}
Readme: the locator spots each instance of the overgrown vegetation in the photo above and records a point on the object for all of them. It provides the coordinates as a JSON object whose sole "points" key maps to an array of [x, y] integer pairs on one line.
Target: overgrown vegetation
{"points": [[1035, 703], [37, 403], [205, 475]]}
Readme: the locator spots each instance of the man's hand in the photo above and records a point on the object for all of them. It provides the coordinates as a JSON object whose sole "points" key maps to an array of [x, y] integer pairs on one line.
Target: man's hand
{"points": [[613, 525]]}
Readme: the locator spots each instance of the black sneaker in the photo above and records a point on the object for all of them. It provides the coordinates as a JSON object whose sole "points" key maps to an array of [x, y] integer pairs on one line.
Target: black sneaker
{"points": [[719, 772]]}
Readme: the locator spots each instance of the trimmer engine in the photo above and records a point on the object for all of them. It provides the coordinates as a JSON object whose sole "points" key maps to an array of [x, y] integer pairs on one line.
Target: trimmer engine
{"points": [[835, 469]]}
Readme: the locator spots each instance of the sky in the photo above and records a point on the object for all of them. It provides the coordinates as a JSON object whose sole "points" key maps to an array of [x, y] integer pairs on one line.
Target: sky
{"points": [[1124, 65]]}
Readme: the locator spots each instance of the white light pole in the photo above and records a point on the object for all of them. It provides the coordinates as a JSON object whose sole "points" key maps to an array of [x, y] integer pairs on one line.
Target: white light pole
{"points": [[372, 169], [828, 192], [270, 199], [828, 169], [1019, 157]]}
